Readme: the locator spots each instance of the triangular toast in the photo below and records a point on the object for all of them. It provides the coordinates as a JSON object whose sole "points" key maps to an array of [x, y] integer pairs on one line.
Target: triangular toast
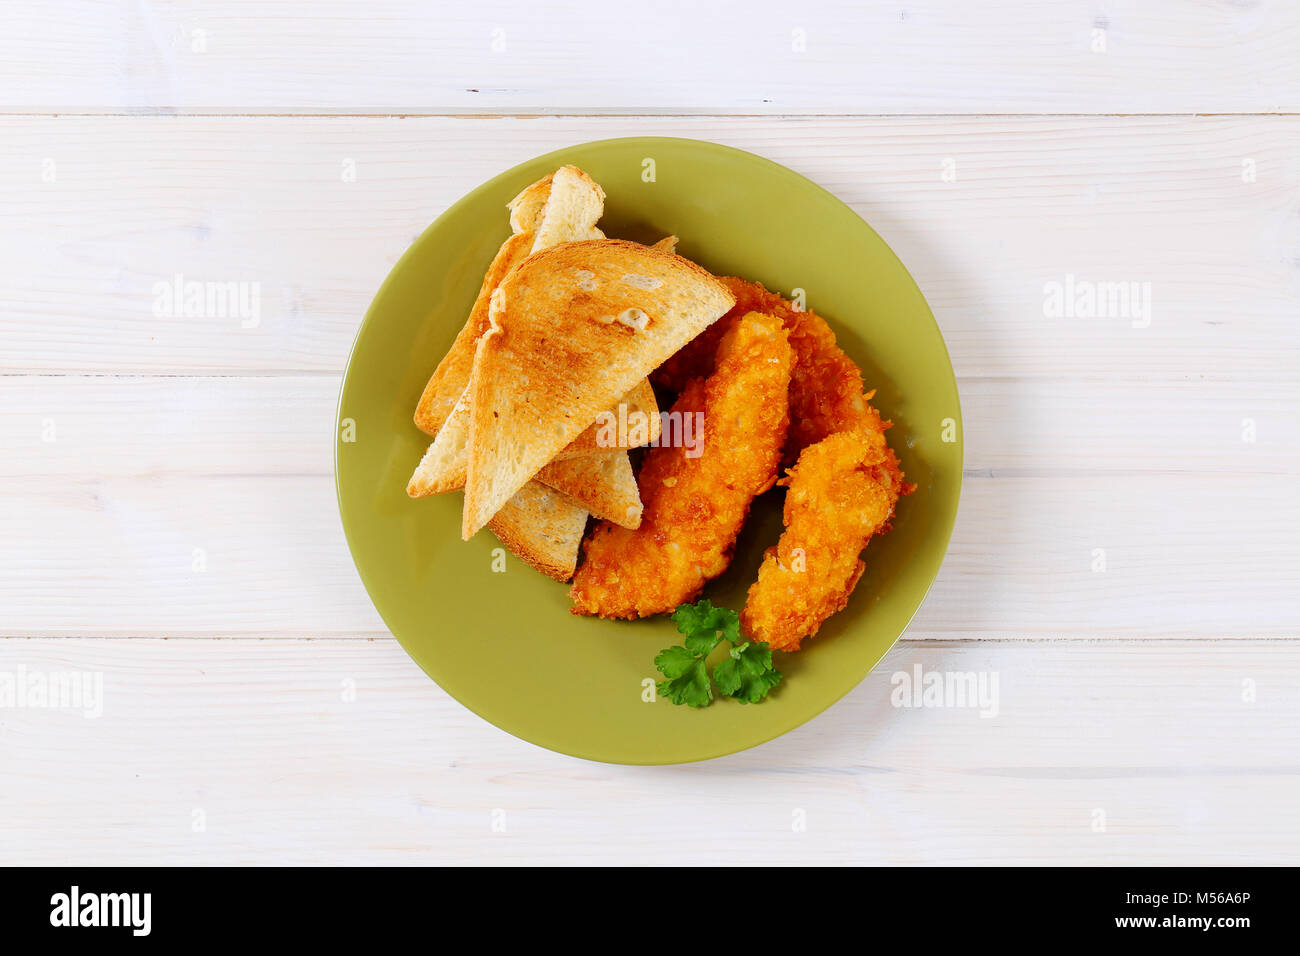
{"points": [[571, 329], [601, 484], [543, 528], [526, 208], [599, 439], [563, 206], [452, 374], [575, 470], [446, 461], [573, 206]]}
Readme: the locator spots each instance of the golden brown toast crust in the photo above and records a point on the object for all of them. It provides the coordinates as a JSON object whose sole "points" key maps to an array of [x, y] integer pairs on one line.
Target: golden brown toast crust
{"points": [[542, 528], [443, 467], [601, 484], [554, 354], [451, 376]]}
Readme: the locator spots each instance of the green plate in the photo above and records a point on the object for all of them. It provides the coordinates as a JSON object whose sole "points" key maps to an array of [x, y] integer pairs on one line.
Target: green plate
{"points": [[504, 643]]}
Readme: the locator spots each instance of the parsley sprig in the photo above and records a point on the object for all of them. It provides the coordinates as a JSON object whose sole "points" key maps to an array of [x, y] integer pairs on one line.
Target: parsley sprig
{"points": [[746, 675]]}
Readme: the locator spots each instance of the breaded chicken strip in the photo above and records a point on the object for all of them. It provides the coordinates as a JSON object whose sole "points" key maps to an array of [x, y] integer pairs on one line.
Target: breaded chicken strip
{"points": [[842, 491], [694, 504], [844, 487], [825, 387]]}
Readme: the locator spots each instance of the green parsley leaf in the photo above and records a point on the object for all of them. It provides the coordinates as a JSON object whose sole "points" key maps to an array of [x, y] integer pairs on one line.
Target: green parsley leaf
{"points": [[688, 681], [704, 625], [748, 674]]}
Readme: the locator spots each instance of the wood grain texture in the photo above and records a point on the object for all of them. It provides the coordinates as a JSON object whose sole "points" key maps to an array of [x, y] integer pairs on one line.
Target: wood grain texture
{"points": [[1036, 201], [1185, 555], [170, 477], [149, 426], [822, 56], [164, 496], [1168, 753]]}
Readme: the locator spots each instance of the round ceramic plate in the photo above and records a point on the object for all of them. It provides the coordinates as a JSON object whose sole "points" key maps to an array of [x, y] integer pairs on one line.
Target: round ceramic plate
{"points": [[504, 644]]}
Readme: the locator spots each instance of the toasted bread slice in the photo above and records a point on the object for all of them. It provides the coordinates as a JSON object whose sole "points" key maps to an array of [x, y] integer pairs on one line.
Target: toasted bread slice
{"points": [[445, 463], [526, 208], [630, 422], [543, 528], [452, 374], [601, 484], [573, 206], [443, 467], [561, 207], [569, 330]]}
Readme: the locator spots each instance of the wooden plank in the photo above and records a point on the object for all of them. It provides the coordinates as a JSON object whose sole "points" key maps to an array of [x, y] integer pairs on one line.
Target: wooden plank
{"points": [[129, 485], [823, 56], [1097, 555], [1159, 753], [111, 426], [1037, 204], [176, 556]]}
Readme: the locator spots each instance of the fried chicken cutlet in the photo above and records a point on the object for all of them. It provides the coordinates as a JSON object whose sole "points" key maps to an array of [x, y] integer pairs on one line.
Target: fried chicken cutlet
{"points": [[841, 492], [826, 394], [694, 505], [843, 489]]}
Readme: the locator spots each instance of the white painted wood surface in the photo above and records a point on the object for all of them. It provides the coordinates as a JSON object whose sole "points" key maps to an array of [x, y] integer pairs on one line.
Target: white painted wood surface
{"points": [[1161, 693], [818, 56], [1101, 752]]}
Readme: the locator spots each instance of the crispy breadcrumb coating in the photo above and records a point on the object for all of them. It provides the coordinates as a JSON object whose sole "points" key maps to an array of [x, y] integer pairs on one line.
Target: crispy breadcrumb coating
{"points": [[826, 394], [844, 493], [694, 506], [841, 492]]}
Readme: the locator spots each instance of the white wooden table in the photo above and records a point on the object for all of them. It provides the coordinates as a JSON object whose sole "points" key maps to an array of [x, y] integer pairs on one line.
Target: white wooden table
{"points": [[1125, 561]]}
